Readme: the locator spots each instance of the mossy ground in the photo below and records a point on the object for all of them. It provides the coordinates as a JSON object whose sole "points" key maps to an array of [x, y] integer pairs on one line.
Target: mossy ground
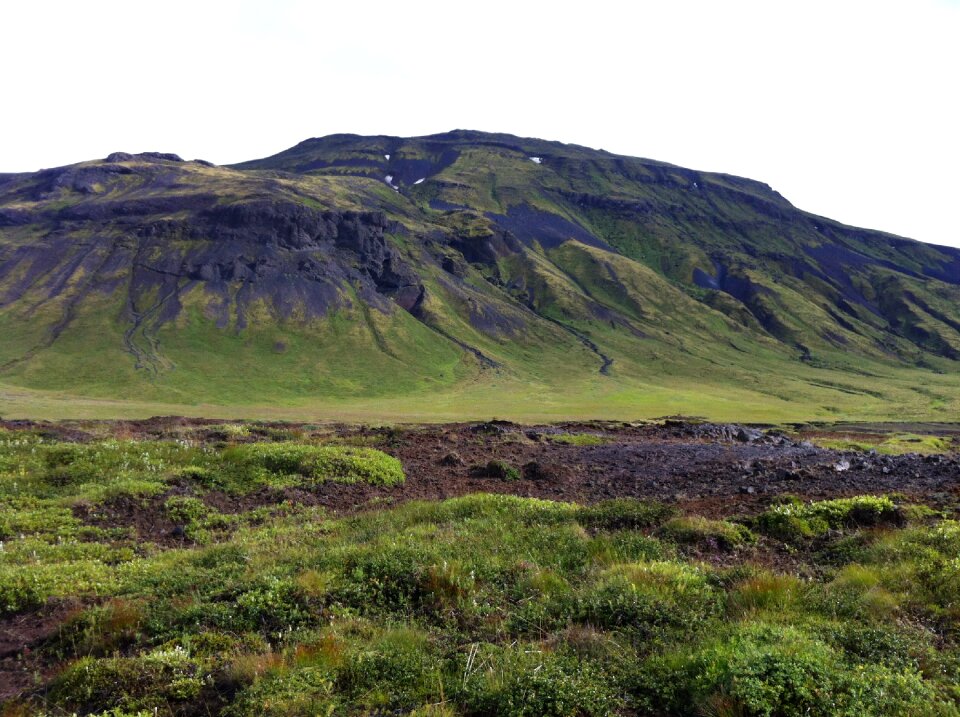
{"points": [[478, 605], [891, 445]]}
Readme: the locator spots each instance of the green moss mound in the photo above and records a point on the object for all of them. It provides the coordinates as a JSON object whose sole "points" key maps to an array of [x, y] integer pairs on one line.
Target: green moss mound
{"points": [[338, 464], [796, 520]]}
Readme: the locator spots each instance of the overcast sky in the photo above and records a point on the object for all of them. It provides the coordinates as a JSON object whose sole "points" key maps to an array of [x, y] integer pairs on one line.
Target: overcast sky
{"points": [[849, 108]]}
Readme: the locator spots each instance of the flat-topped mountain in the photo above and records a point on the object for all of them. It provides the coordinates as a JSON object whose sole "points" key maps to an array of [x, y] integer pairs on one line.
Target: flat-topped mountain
{"points": [[459, 267]]}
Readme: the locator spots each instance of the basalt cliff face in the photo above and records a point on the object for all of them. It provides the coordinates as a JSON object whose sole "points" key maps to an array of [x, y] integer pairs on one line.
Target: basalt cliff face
{"points": [[355, 266]]}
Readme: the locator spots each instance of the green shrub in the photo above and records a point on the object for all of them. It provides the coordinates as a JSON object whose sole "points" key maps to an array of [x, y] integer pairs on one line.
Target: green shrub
{"points": [[794, 520], [307, 690], [164, 679], [773, 670], [383, 578], [29, 586], [649, 599], [497, 470], [893, 445], [275, 605], [914, 513], [201, 474], [857, 592], [70, 464], [197, 518], [397, 671], [99, 630], [791, 528], [340, 464], [27, 515], [624, 514], [102, 469], [626, 546], [847, 549], [186, 510], [220, 644], [894, 645], [527, 682], [705, 533], [765, 592]]}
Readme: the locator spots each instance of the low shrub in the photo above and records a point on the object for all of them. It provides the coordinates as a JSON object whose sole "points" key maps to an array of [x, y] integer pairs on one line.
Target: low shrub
{"points": [[307, 690], [524, 681], [626, 546], [254, 463], [395, 671], [579, 439], [275, 605], [765, 592], [894, 645], [497, 470], [649, 599], [100, 630], [164, 680], [624, 514], [23, 587], [857, 591], [196, 518], [769, 670], [383, 578], [27, 515], [705, 533], [795, 520]]}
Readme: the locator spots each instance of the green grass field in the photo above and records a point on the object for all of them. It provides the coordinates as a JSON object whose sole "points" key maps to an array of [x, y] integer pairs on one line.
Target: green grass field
{"points": [[810, 395]]}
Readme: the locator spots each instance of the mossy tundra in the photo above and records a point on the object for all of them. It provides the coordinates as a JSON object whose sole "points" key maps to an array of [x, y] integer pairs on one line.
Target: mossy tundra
{"points": [[477, 605]]}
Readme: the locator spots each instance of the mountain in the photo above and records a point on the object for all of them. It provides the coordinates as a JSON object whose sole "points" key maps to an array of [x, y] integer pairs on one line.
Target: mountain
{"points": [[460, 273]]}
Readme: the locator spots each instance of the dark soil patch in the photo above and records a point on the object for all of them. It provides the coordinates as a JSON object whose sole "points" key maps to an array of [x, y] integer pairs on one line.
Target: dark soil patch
{"points": [[20, 636]]}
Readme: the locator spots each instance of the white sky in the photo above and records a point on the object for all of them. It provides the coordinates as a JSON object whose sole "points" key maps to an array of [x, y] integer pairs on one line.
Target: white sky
{"points": [[849, 108]]}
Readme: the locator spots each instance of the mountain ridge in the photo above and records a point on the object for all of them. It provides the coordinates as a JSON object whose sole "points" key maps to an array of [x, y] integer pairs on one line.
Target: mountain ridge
{"points": [[351, 268]]}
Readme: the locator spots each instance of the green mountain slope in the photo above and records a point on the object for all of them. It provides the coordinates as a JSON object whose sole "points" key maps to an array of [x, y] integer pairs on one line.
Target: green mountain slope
{"points": [[453, 275]]}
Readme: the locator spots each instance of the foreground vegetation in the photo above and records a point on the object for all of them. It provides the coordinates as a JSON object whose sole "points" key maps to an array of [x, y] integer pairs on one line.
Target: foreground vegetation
{"points": [[480, 605]]}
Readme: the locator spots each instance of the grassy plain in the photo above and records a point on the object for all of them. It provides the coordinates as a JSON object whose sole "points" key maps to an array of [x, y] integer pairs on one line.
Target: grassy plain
{"points": [[808, 395]]}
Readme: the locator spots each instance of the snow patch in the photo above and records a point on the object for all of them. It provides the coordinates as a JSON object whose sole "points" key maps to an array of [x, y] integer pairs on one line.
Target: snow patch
{"points": [[536, 160], [421, 180], [386, 157], [389, 180]]}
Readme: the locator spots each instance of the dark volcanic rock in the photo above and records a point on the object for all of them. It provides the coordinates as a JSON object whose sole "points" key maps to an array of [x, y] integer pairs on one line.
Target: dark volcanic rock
{"points": [[725, 432], [488, 249]]}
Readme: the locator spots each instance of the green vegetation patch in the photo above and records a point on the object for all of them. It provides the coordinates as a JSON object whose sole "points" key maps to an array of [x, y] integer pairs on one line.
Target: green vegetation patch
{"points": [[700, 532], [580, 439], [764, 669], [794, 519], [198, 520], [625, 513], [339, 464], [162, 679], [894, 445]]}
